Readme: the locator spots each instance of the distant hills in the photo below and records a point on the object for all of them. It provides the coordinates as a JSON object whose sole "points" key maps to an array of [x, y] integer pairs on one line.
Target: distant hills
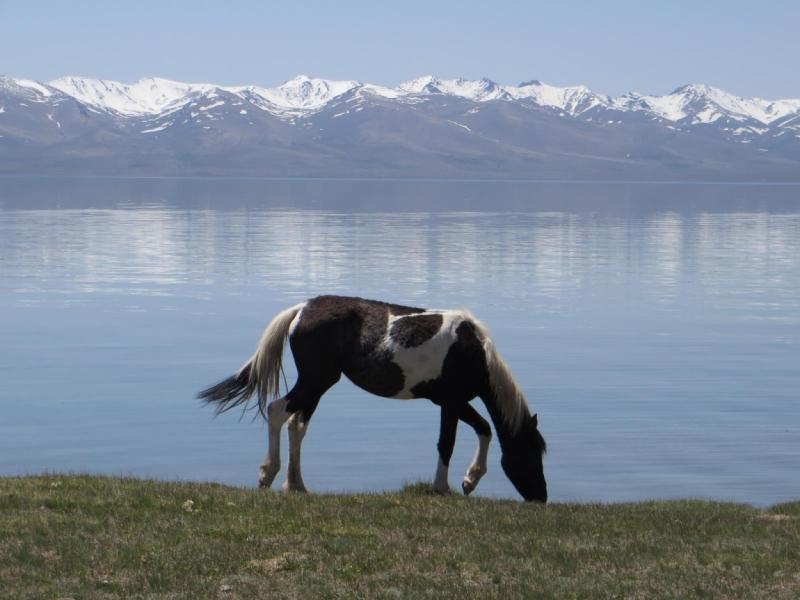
{"points": [[427, 127]]}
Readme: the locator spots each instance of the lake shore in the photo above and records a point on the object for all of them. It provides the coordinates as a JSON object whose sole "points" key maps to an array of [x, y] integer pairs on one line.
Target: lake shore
{"points": [[75, 536]]}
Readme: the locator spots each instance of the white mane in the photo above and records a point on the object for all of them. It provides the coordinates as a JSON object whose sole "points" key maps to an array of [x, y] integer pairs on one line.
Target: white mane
{"points": [[509, 398]]}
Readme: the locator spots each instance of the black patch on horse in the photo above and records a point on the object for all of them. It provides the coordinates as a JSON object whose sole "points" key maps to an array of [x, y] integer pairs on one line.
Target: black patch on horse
{"points": [[415, 330], [373, 314], [464, 373], [352, 329]]}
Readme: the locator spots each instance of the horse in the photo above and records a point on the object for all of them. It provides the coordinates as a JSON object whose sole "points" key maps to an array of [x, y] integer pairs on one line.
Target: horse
{"points": [[445, 356]]}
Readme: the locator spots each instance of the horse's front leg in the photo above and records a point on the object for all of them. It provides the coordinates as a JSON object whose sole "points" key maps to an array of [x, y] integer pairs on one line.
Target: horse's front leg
{"points": [[447, 440], [478, 467]]}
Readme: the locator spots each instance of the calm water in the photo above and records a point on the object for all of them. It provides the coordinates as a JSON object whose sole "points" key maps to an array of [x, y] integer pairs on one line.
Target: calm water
{"points": [[654, 328]]}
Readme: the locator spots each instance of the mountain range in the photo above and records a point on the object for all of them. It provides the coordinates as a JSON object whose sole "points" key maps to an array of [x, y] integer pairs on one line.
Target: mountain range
{"points": [[426, 127]]}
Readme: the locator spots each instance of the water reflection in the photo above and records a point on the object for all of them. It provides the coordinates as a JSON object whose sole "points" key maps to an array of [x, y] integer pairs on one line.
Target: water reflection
{"points": [[516, 256]]}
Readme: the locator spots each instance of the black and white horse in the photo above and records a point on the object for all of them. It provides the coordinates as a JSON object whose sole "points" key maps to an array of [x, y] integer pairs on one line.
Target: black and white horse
{"points": [[393, 351]]}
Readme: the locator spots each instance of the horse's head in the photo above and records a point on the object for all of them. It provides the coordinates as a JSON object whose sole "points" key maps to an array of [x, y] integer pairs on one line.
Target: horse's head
{"points": [[522, 461]]}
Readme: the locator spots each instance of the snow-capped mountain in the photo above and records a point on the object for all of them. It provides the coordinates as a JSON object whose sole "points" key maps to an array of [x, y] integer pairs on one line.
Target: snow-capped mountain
{"points": [[147, 96], [309, 125], [705, 104], [303, 94]]}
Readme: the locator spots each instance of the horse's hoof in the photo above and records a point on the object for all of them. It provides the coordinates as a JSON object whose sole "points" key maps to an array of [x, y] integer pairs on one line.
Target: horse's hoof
{"points": [[265, 481], [467, 487], [267, 474]]}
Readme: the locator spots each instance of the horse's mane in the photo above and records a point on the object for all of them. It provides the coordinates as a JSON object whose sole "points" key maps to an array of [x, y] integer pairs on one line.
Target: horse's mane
{"points": [[505, 389]]}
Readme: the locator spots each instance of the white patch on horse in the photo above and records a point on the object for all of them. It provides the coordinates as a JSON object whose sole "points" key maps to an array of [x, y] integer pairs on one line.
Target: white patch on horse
{"points": [[440, 484], [424, 362]]}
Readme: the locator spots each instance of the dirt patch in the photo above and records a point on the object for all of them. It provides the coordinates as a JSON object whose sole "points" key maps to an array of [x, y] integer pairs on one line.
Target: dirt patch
{"points": [[285, 562]]}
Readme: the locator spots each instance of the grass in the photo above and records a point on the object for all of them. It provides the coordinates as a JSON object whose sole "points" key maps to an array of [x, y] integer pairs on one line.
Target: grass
{"points": [[100, 537]]}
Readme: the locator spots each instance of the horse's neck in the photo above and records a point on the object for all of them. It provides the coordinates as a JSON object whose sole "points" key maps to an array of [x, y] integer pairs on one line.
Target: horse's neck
{"points": [[504, 432]]}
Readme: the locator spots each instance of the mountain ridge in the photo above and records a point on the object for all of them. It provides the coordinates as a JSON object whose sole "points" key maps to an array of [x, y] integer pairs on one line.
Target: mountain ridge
{"points": [[301, 90], [426, 126]]}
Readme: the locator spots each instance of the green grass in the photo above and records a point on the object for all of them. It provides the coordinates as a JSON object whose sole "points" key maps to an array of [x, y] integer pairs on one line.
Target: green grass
{"points": [[98, 537]]}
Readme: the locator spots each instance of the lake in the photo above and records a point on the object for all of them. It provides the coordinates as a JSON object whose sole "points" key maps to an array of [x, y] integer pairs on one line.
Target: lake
{"points": [[655, 328]]}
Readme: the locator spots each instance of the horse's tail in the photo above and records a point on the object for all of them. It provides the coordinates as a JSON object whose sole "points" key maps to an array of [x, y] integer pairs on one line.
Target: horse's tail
{"points": [[504, 387], [260, 374]]}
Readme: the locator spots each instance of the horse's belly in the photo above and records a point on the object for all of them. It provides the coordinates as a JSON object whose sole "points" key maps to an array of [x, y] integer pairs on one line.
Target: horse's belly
{"points": [[396, 372], [396, 376], [376, 375]]}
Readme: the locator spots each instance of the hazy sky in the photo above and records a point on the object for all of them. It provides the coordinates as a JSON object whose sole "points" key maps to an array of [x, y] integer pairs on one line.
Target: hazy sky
{"points": [[749, 48]]}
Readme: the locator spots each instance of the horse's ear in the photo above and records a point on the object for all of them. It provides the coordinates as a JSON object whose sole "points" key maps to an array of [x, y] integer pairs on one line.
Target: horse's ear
{"points": [[535, 421]]}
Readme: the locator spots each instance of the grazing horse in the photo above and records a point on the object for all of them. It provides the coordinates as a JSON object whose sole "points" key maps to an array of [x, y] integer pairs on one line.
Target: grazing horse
{"points": [[393, 351]]}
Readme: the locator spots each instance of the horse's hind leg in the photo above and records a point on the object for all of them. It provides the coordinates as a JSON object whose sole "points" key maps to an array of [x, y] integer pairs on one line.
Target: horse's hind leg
{"points": [[478, 467], [297, 431], [298, 425], [304, 399], [277, 415], [296, 407]]}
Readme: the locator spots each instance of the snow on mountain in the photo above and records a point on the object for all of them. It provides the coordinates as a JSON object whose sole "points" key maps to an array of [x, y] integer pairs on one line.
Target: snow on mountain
{"points": [[669, 107], [153, 95], [303, 92], [764, 111], [421, 85], [483, 90], [379, 90], [32, 90], [299, 95], [303, 95], [145, 97], [572, 100], [706, 104]]}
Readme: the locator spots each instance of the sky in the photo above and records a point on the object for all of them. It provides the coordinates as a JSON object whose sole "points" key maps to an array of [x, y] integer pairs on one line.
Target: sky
{"points": [[744, 47]]}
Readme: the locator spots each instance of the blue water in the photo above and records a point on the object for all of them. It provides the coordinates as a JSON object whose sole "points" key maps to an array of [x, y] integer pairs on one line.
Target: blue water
{"points": [[655, 328]]}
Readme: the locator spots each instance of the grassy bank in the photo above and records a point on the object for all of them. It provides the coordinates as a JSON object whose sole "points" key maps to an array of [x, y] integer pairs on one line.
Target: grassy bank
{"points": [[96, 537]]}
